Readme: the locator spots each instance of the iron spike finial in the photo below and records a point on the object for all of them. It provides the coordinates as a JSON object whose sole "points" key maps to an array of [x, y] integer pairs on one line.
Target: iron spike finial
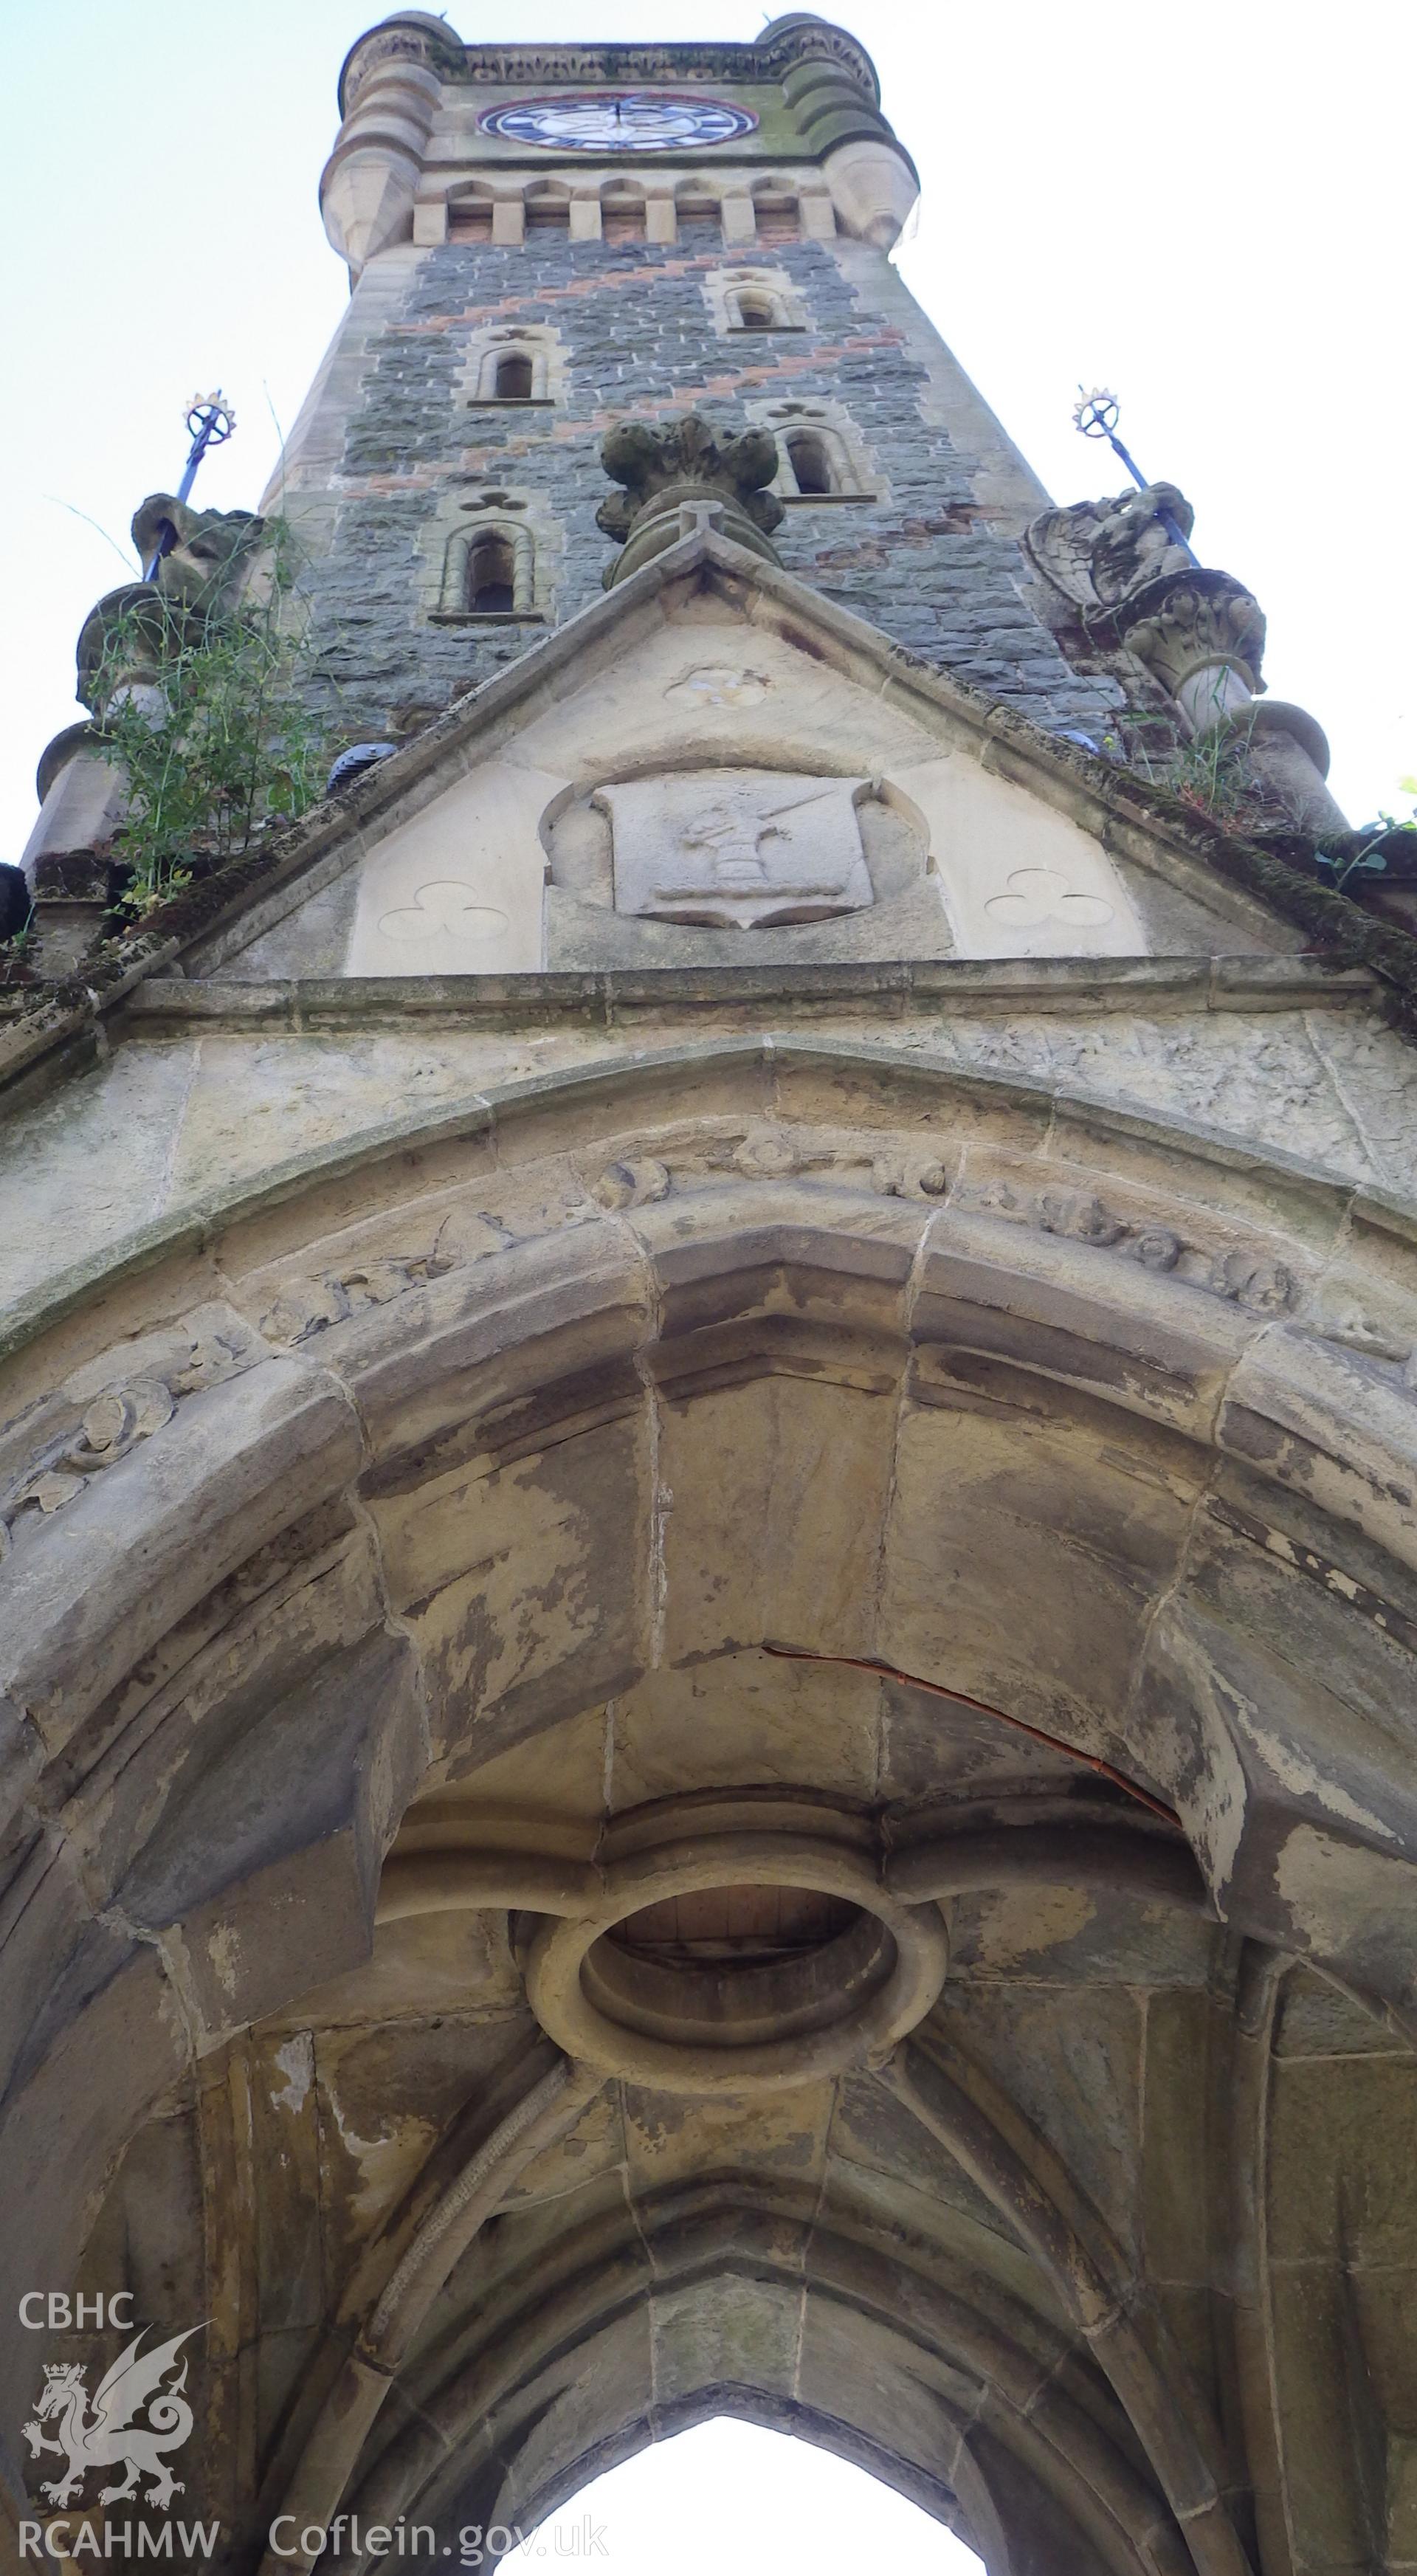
{"points": [[212, 414], [1097, 413], [210, 421]]}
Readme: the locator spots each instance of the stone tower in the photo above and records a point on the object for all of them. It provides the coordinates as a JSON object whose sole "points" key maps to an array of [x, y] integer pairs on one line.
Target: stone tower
{"points": [[708, 1432], [546, 240]]}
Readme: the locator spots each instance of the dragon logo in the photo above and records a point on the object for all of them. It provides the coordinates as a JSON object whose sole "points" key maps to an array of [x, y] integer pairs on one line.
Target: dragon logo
{"points": [[109, 2436]]}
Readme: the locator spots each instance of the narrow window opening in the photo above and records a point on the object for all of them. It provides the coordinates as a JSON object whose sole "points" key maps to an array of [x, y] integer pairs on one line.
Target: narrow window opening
{"points": [[812, 466], [756, 313], [491, 583], [513, 379]]}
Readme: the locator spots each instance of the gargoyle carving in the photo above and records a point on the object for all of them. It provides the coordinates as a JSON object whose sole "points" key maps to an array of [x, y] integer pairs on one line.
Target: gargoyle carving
{"points": [[1118, 563], [209, 553], [124, 639], [1098, 554]]}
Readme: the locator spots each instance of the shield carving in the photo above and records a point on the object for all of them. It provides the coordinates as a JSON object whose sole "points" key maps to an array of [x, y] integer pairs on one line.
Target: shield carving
{"points": [[737, 848]]}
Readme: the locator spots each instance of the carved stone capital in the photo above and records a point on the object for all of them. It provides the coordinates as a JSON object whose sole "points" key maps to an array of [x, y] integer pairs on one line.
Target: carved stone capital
{"points": [[1196, 621], [668, 465], [122, 643]]}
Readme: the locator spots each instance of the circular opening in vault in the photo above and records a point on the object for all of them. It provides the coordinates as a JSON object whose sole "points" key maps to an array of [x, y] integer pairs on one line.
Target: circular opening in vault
{"points": [[741, 1943], [738, 1925], [735, 1966]]}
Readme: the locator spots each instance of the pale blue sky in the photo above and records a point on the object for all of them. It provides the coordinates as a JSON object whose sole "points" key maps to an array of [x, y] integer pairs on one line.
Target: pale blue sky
{"points": [[729, 2495], [1209, 209]]}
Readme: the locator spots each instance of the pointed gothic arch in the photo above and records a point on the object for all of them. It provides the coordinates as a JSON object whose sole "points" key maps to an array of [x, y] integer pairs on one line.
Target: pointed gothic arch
{"points": [[547, 206], [624, 213], [756, 308], [394, 1537], [697, 208], [513, 378], [776, 209]]}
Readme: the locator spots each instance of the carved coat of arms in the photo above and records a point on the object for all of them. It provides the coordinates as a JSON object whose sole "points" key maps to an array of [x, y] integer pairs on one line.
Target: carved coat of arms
{"points": [[737, 848], [108, 2433]]}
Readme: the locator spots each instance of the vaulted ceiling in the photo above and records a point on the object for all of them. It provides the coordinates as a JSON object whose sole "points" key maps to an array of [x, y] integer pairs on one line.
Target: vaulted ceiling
{"points": [[750, 1756]]}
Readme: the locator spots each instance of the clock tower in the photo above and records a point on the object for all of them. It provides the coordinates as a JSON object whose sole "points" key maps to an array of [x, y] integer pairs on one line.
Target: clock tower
{"points": [[546, 240], [708, 1430]]}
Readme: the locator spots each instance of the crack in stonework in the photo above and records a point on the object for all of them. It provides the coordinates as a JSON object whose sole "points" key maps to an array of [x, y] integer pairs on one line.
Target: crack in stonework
{"points": [[982, 1708]]}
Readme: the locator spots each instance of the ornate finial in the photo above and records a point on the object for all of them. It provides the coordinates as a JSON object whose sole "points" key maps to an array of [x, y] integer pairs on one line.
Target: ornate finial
{"points": [[667, 466], [1128, 570], [1102, 554], [1184, 622]]}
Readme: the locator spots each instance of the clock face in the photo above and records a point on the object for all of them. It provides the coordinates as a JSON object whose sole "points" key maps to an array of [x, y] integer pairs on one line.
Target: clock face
{"points": [[619, 121]]}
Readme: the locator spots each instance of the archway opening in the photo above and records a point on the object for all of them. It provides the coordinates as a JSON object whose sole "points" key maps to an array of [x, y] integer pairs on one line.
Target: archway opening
{"points": [[729, 2493], [491, 576], [994, 1536], [514, 378], [810, 462]]}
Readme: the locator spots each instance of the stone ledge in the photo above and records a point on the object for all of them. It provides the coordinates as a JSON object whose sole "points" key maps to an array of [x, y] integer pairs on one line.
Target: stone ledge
{"points": [[486, 617], [610, 996]]}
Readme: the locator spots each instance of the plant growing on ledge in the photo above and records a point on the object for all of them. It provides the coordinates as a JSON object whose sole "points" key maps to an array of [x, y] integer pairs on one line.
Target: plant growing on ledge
{"points": [[206, 714], [1210, 773], [1368, 851]]}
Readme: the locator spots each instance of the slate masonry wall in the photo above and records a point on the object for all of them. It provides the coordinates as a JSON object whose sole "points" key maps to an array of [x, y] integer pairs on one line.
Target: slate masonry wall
{"points": [[928, 555]]}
